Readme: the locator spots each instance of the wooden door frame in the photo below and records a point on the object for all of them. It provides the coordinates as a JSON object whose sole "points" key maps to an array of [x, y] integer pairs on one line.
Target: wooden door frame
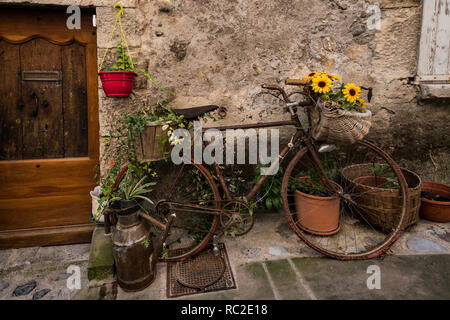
{"points": [[23, 32]]}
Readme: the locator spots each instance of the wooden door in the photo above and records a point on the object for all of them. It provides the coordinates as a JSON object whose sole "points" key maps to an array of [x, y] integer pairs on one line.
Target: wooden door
{"points": [[49, 127]]}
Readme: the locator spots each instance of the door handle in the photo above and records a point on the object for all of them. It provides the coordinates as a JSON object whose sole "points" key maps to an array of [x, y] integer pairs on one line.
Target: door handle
{"points": [[36, 110]]}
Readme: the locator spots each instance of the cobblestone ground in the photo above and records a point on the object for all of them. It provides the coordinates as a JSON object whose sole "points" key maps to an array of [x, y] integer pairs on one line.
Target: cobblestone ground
{"points": [[270, 262], [41, 273]]}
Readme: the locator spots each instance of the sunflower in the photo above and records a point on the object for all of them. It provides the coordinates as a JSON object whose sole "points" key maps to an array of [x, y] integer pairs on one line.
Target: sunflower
{"points": [[322, 84], [362, 102], [310, 75], [351, 92], [333, 77]]}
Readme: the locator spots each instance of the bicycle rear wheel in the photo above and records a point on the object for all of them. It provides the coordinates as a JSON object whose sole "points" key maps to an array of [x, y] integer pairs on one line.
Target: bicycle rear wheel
{"points": [[372, 206], [188, 190]]}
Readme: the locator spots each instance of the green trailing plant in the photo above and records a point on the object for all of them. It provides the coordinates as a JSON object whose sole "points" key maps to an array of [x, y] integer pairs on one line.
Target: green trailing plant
{"points": [[270, 192], [122, 63], [125, 142]]}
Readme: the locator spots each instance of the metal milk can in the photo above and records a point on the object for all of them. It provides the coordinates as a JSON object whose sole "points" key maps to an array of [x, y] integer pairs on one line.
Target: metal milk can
{"points": [[132, 249], [134, 254]]}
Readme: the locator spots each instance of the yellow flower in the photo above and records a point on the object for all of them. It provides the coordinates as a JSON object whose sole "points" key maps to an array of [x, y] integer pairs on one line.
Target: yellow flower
{"points": [[351, 92], [362, 102], [310, 75], [322, 84], [333, 77]]}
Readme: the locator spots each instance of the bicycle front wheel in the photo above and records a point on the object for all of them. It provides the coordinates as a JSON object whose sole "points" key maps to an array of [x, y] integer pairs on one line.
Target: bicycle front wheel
{"points": [[361, 220], [189, 191]]}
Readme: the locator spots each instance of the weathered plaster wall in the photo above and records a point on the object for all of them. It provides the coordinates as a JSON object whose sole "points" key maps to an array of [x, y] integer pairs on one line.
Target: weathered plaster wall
{"points": [[222, 51]]}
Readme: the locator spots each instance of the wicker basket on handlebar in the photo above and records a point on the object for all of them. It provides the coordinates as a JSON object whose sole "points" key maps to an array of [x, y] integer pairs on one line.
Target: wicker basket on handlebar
{"points": [[335, 125]]}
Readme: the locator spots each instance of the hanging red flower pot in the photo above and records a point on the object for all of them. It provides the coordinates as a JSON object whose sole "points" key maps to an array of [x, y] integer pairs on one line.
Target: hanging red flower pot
{"points": [[117, 83]]}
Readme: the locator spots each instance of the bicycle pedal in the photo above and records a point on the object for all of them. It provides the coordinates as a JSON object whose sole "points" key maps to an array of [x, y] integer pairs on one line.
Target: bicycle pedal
{"points": [[215, 246]]}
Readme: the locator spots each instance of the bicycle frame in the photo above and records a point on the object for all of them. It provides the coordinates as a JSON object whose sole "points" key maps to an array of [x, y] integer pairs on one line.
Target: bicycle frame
{"points": [[301, 136]]}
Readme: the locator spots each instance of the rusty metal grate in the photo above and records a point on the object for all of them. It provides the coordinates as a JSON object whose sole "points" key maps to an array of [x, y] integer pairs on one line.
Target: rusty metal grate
{"points": [[203, 273]]}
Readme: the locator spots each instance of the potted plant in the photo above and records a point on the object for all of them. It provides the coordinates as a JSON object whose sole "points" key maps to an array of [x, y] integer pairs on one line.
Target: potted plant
{"points": [[317, 211], [339, 114], [131, 192], [377, 191], [118, 80], [378, 177], [128, 196], [157, 135], [435, 204]]}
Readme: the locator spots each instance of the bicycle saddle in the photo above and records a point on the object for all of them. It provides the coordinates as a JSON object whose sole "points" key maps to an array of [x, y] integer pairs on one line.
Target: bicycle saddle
{"points": [[195, 112]]}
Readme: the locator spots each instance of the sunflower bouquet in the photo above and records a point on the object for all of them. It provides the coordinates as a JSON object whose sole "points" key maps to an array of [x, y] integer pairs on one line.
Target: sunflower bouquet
{"points": [[339, 114], [347, 96]]}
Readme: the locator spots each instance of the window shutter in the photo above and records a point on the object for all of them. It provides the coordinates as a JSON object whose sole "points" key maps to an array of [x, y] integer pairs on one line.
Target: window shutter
{"points": [[434, 53]]}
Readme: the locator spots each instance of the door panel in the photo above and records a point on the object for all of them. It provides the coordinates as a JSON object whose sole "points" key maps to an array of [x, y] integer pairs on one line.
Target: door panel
{"points": [[53, 215], [43, 114], [74, 100], [10, 102], [46, 178], [49, 127]]}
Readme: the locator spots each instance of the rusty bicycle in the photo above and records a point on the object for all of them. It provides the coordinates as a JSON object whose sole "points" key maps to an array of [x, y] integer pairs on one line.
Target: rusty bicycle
{"points": [[205, 211]]}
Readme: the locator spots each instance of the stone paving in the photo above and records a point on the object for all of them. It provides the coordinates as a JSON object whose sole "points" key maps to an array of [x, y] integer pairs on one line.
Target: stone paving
{"points": [[270, 262], [40, 273]]}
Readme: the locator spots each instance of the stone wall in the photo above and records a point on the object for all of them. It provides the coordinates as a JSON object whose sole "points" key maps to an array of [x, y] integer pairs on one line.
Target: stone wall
{"points": [[220, 52]]}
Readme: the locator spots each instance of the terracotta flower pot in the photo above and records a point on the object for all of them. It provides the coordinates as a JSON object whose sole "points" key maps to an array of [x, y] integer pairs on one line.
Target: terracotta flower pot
{"points": [[117, 83], [438, 211], [371, 181], [317, 215]]}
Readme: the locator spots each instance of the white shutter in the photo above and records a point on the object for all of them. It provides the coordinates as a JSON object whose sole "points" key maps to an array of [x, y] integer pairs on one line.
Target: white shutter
{"points": [[434, 54]]}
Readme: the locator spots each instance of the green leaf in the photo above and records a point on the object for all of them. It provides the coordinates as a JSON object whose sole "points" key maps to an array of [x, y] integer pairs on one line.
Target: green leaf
{"points": [[269, 203]]}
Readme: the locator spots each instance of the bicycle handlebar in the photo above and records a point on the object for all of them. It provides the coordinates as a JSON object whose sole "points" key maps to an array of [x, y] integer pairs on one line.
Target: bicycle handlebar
{"points": [[295, 82], [274, 86]]}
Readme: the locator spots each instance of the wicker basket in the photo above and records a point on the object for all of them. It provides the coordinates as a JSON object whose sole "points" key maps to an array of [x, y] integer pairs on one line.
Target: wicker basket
{"points": [[151, 148], [380, 206], [337, 125]]}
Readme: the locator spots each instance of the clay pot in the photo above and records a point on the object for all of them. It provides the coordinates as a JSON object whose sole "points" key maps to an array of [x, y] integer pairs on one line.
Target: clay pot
{"points": [[438, 211], [371, 181], [117, 83], [317, 215]]}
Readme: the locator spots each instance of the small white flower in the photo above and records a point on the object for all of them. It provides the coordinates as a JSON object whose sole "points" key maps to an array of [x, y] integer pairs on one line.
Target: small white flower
{"points": [[165, 127], [169, 133]]}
